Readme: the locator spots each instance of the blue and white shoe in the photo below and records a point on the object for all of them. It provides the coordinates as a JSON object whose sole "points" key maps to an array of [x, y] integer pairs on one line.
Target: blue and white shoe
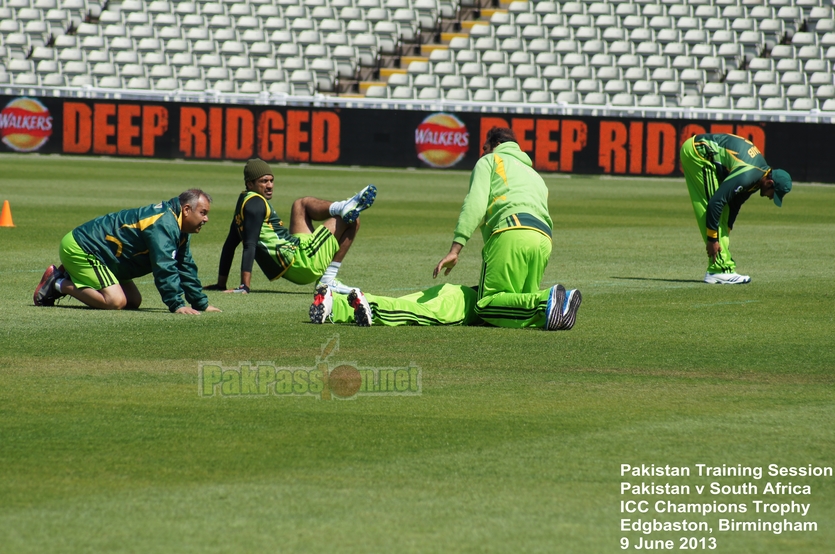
{"points": [[322, 306], [569, 309], [362, 310], [361, 201], [726, 278], [553, 311]]}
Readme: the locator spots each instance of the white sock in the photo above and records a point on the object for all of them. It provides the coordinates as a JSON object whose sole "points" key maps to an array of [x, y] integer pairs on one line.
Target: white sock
{"points": [[330, 273], [58, 285], [336, 207]]}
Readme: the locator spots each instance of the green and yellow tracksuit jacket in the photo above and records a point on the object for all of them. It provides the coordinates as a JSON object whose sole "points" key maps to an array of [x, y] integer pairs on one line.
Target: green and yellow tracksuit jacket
{"points": [[739, 166], [136, 242], [266, 240], [505, 193]]}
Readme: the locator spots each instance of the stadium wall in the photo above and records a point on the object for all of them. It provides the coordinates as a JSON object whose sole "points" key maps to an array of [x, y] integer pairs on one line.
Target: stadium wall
{"points": [[394, 138]]}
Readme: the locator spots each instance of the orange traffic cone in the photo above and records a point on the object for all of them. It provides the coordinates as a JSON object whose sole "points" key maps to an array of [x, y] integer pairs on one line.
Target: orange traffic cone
{"points": [[6, 215]]}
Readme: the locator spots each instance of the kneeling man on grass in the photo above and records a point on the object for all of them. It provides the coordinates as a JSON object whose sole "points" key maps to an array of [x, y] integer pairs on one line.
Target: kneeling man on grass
{"points": [[508, 201], [101, 258]]}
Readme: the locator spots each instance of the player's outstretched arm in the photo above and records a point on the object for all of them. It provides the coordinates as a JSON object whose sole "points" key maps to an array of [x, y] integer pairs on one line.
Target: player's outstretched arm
{"points": [[227, 255]]}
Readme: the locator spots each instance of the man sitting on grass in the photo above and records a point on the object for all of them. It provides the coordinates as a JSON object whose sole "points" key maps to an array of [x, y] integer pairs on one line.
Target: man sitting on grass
{"points": [[300, 254], [101, 258]]}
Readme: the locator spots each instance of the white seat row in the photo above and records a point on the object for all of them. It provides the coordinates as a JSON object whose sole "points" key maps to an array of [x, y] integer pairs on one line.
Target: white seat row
{"points": [[602, 99]]}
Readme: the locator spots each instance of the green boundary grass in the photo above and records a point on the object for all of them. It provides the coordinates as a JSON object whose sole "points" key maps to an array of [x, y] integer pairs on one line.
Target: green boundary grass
{"points": [[516, 442]]}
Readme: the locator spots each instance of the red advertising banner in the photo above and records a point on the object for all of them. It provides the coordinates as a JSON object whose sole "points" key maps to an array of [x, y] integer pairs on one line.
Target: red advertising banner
{"points": [[393, 138]]}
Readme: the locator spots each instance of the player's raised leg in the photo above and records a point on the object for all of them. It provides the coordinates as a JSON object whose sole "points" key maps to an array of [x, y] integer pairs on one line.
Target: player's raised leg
{"points": [[349, 210], [309, 209]]}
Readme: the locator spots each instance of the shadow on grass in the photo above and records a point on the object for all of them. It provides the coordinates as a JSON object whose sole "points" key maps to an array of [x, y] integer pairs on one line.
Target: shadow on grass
{"points": [[656, 279], [305, 293], [83, 307], [263, 292]]}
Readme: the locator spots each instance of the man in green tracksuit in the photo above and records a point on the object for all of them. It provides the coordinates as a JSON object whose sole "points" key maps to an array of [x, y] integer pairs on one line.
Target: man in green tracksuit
{"points": [[101, 258], [509, 201], [722, 172], [440, 305]]}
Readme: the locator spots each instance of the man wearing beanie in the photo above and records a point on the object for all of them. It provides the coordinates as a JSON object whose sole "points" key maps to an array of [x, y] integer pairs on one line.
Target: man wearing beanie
{"points": [[722, 172], [300, 254], [101, 258]]}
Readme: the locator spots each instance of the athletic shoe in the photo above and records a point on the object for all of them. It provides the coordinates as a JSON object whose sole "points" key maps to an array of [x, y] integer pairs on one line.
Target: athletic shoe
{"points": [[322, 305], [45, 294], [553, 311], [336, 286], [360, 201], [569, 310], [362, 311], [726, 278]]}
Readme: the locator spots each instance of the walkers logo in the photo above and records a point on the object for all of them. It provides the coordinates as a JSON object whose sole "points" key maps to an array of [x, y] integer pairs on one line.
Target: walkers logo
{"points": [[25, 124], [325, 380], [441, 140]]}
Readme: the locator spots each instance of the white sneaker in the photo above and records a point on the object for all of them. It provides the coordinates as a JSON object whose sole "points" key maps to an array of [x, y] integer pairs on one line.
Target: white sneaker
{"points": [[336, 286], [362, 310], [727, 278], [359, 202], [322, 306]]}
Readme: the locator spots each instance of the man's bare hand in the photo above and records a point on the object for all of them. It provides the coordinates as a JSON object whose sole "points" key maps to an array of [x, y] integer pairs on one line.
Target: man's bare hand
{"points": [[213, 309], [187, 310], [713, 248], [449, 261]]}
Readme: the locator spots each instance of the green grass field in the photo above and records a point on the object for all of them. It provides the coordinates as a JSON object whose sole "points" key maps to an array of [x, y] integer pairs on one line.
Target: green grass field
{"points": [[517, 440]]}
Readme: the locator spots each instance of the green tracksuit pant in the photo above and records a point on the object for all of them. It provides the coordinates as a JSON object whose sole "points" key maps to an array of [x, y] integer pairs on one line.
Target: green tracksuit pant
{"points": [[440, 305], [702, 184], [514, 262]]}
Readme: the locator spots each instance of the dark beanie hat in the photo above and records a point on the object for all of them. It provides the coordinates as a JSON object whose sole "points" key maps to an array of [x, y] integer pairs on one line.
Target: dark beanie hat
{"points": [[256, 168]]}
